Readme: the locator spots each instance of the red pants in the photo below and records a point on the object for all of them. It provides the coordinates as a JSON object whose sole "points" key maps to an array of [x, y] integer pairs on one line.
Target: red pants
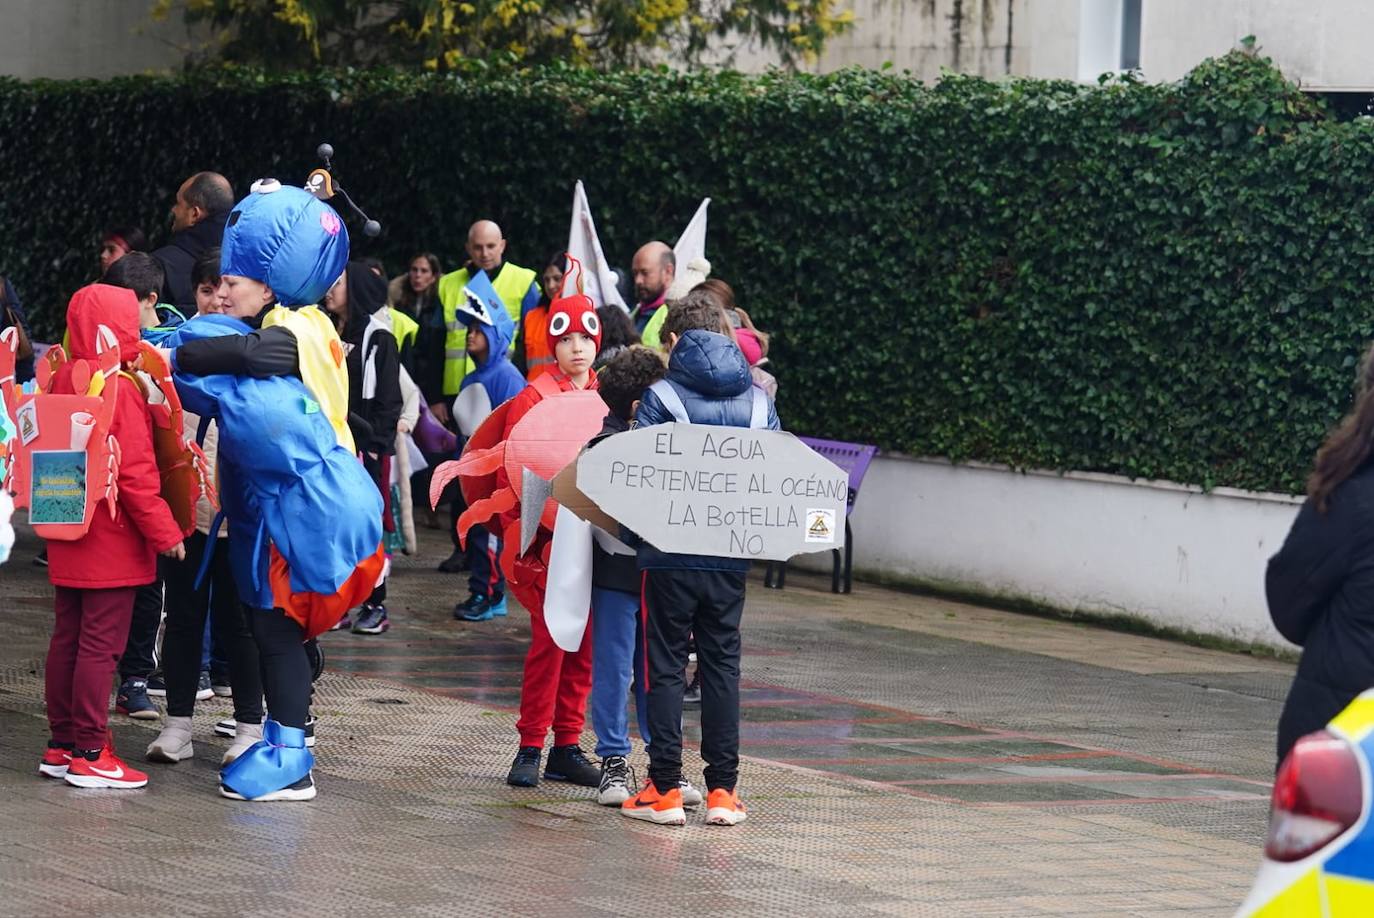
{"points": [[556, 683], [88, 639]]}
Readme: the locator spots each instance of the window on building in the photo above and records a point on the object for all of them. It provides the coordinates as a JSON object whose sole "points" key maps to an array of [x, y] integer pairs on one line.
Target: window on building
{"points": [[1108, 37]]}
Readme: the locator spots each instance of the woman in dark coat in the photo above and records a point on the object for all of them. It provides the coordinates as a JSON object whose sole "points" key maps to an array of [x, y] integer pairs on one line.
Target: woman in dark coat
{"points": [[1320, 585]]}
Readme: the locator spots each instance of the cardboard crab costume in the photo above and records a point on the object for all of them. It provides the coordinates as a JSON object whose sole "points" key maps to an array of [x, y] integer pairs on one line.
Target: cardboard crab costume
{"points": [[537, 433], [304, 518], [64, 463]]}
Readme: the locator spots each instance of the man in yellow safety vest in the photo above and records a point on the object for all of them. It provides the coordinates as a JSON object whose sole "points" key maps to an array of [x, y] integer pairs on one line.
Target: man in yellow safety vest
{"points": [[518, 289]]}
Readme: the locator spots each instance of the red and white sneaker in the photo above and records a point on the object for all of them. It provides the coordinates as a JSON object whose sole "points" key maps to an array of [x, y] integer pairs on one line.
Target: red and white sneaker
{"points": [[723, 808], [55, 762], [107, 771], [660, 809]]}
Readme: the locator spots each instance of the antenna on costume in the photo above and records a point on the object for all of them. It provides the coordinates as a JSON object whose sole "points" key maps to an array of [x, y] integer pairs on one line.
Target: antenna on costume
{"points": [[573, 263], [321, 184]]}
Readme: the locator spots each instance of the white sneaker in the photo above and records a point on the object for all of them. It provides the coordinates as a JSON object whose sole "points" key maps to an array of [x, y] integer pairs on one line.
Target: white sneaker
{"points": [[615, 781], [690, 795], [245, 735], [173, 744]]}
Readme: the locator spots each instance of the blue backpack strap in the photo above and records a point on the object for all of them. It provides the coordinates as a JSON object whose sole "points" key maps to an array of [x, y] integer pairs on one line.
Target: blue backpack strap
{"points": [[215, 524], [671, 401], [758, 416]]}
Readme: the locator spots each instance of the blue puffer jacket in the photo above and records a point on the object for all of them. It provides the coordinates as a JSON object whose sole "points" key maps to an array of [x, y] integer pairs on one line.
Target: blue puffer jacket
{"points": [[712, 378]]}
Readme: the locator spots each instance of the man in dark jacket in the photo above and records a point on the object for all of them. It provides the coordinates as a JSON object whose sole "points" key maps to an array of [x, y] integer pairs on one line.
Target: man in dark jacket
{"points": [[708, 382], [203, 202]]}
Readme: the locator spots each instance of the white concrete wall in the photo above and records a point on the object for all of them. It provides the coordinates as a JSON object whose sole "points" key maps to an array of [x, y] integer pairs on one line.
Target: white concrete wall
{"points": [[1081, 541], [1323, 44], [87, 38]]}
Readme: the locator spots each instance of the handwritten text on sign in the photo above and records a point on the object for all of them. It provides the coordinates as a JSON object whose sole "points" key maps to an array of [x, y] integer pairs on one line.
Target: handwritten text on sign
{"points": [[721, 491]]}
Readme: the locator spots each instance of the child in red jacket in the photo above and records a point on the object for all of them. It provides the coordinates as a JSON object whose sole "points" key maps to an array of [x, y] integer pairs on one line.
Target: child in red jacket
{"points": [[556, 683], [97, 575]]}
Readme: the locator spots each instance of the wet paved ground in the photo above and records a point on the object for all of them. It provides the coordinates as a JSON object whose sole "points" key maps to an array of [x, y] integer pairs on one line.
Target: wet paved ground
{"points": [[904, 756]]}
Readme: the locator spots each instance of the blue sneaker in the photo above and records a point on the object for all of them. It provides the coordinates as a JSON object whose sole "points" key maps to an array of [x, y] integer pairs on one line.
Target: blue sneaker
{"points": [[479, 608], [132, 700]]}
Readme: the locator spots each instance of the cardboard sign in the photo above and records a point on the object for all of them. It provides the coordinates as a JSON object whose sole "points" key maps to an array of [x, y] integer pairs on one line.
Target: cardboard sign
{"points": [[725, 491], [566, 494]]}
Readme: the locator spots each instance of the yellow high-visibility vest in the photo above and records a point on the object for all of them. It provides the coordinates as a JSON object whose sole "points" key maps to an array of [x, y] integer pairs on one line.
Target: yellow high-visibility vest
{"points": [[511, 285]]}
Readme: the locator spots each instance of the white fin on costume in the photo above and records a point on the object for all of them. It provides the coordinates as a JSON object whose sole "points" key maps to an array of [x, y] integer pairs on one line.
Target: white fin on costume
{"points": [[568, 601], [471, 408]]}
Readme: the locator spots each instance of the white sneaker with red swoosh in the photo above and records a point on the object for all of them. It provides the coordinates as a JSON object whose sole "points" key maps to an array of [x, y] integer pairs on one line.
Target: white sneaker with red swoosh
{"points": [[106, 771]]}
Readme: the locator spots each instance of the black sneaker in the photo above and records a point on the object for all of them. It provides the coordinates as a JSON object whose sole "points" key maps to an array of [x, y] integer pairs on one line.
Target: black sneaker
{"points": [[371, 619], [204, 692], [692, 696], [157, 686], [455, 563], [524, 771], [568, 763], [304, 789], [479, 608]]}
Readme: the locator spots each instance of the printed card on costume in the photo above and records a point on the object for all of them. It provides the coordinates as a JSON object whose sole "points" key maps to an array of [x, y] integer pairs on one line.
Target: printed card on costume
{"points": [[57, 487]]}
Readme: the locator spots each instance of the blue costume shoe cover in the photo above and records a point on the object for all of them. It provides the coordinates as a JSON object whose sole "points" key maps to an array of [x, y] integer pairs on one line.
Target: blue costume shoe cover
{"points": [[278, 760], [287, 239], [283, 476]]}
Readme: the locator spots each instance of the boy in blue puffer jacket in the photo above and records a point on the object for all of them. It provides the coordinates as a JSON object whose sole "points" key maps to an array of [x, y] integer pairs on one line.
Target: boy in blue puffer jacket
{"points": [[495, 379], [708, 382]]}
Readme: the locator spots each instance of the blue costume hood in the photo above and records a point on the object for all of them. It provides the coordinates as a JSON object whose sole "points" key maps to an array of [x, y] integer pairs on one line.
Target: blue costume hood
{"points": [[283, 476], [288, 240], [481, 307]]}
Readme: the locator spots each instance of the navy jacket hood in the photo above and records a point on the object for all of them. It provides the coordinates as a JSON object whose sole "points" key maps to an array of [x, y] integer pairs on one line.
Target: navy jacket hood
{"points": [[709, 363]]}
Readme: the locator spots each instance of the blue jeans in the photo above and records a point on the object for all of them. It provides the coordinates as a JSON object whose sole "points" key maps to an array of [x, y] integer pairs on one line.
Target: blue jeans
{"points": [[617, 659]]}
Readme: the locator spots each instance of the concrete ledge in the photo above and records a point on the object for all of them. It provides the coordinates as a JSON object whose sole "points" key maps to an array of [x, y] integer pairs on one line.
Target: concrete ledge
{"points": [[1169, 554]]}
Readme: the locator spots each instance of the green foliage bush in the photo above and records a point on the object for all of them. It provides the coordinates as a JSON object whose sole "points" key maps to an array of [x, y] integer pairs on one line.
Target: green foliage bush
{"points": [[1164, 281]]}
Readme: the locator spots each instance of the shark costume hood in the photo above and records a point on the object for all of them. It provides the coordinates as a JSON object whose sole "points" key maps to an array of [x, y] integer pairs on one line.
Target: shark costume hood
{"points": [[496, 379]]}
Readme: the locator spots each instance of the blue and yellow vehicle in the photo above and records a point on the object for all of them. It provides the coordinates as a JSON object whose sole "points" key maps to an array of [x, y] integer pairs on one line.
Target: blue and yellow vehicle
{"points": [[1319, 856]]}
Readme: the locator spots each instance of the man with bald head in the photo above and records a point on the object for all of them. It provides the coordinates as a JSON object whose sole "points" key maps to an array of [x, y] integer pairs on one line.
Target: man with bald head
{"points": [[518, 289], [202, 204], [653, 270]]}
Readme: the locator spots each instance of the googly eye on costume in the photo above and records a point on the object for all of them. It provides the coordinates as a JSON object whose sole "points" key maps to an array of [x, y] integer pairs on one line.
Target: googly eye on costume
{"points": [[592, 323], [265, 186], [559, 324]]}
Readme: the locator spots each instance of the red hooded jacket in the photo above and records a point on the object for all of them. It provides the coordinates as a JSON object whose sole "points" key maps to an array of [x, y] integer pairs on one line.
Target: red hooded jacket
{"points": [[119, 552]]}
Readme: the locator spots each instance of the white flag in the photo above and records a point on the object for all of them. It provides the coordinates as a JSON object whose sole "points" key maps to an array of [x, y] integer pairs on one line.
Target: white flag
{"points": [[583, 244], [692, 243]]}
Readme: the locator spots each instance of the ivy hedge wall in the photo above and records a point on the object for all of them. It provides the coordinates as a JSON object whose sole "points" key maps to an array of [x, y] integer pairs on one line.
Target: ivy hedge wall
{"points": [[1165, 281]]}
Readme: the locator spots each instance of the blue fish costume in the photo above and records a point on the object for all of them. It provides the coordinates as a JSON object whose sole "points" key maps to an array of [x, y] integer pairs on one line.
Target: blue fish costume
{"points": [[304, 518]]}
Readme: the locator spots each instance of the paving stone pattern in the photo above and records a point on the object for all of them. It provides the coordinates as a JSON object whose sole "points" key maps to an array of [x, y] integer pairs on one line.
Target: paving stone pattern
{"points": [[903, 756]]}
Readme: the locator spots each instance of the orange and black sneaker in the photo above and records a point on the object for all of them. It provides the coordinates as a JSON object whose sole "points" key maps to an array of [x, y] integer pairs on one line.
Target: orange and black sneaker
{"points": [[661, 809], [723, 808]]}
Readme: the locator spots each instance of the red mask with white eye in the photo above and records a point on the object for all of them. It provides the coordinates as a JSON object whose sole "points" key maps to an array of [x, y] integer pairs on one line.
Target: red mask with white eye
{"points": [[576, 313]]}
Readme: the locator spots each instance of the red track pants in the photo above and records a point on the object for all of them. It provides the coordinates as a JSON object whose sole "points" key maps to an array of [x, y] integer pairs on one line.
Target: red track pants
{"points": [[556, 683], [88, 638]]}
